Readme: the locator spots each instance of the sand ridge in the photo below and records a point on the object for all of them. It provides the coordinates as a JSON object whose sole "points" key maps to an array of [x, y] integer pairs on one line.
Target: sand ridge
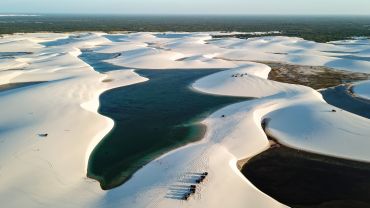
{"points": [[51, 171]]}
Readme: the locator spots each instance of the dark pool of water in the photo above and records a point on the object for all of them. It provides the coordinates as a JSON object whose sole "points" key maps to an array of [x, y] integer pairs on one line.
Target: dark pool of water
{"points": [[59, 42], [340, 52], [64, 41], [117, 38], [359, 58], [339, 97], [96, 60], [125, 38], [301, 179], [172, 35], [150, 118]]}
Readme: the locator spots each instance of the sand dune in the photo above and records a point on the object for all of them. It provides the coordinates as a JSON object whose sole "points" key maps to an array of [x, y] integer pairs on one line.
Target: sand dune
{"points": [[51, 171]]}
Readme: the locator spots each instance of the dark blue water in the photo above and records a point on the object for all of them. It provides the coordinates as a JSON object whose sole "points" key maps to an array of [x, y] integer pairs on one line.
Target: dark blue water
{"points": [[96, 60], [173, 35], [150, 118], [59, 42], [339, 97], [352, 57], [125, 38], [64, 41], [117, 38], [340, 52]]}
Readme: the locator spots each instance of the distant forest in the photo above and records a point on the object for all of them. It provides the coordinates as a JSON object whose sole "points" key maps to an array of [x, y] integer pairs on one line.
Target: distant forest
{"points": [[317, 28]]}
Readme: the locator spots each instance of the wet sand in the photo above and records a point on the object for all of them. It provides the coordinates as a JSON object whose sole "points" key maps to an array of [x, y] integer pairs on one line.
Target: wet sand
{"points": [[316, 77], [335, 84]]}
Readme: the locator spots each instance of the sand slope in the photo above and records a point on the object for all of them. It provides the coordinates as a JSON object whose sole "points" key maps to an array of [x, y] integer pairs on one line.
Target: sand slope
{"points": [[50, 171]]}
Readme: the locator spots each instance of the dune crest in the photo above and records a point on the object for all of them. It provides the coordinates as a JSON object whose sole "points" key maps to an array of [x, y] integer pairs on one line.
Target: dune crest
{"points": [[50, 170]]}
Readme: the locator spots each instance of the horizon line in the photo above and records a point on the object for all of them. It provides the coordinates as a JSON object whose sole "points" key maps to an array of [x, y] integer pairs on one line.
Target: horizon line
{"points": [[172, 14]]}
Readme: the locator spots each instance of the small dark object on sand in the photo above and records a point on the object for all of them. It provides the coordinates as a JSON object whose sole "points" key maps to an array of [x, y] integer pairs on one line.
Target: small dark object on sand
{"points": [[43, 135], [205, 173], [333, 110], [107, 80], [117, 55], [186, 196], [264, 123], [202, 177], [193, 186], [192, 191]]}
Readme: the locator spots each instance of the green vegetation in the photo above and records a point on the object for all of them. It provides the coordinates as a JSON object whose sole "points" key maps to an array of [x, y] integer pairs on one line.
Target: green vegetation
{"points": [[318, 28]]}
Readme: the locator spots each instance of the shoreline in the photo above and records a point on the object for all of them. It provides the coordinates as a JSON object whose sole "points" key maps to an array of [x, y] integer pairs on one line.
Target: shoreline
{"points": [[182, 138], [351, 92], [52, 170], [93, 106], [267, 172]]}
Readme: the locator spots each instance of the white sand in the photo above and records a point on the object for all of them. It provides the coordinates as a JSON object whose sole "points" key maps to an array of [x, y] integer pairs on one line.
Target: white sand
{"points": [[51, 171], [362, 89]]}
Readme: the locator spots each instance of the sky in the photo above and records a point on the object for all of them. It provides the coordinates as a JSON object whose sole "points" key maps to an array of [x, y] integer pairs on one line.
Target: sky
{"points": [[190, 7]]}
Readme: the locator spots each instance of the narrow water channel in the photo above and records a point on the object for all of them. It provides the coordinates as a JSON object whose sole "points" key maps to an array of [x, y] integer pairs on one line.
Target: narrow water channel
{"points": [[340, 97]]}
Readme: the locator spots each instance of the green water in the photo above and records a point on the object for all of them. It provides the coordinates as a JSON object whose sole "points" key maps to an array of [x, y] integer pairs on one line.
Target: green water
{"points": [[150, 118]]}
